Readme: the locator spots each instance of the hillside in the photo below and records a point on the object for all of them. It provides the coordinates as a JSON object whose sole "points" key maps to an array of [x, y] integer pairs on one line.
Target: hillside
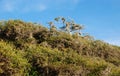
{"points": [[29, 49]]}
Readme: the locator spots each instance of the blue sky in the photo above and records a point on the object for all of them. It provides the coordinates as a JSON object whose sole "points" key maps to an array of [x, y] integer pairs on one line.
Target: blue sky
{"points": [[100, 17]]}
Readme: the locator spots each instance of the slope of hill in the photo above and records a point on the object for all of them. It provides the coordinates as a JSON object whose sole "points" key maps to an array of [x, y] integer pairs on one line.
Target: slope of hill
{"points": [[28, 49]]}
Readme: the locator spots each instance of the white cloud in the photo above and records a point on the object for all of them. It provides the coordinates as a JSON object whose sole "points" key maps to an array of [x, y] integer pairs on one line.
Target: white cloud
{"points": [[62, 4], [41, 7], [113, 42], [7, 6], [36, 5], [66, 1], [76, 1]]}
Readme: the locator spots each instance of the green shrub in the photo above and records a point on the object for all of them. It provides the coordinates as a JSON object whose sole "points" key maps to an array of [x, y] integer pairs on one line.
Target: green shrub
{"points": [[28, 49], [12, 62]]}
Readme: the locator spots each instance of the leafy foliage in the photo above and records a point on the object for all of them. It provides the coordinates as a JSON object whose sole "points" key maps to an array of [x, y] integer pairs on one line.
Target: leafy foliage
{"points": [[28, 49]]}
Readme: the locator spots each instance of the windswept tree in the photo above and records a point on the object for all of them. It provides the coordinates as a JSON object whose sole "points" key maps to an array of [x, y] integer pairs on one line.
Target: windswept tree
{"points": [[87, 36], [57, 19], [76, 28], [53, 28], [66, 27], [69, 25], [63, 20], [51, 24]]}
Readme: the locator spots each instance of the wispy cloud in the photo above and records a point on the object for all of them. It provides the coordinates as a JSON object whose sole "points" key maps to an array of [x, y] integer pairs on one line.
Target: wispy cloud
{"points": [[41, 7], [64, 4], [7, 6], [76, 1], [36, 5], [21, 6], [113, 41]]}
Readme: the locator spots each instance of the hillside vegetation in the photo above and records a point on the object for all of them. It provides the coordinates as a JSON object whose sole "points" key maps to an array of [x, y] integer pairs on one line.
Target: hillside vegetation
{"points": [[29, 49]]}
